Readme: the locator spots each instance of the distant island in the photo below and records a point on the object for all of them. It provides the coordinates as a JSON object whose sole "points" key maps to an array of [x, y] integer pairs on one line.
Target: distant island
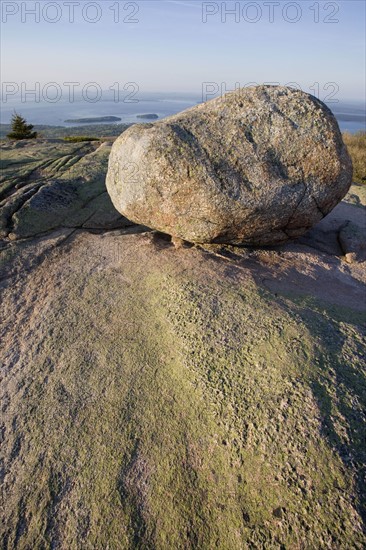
{"points": [[95, 119], [148, 116]]}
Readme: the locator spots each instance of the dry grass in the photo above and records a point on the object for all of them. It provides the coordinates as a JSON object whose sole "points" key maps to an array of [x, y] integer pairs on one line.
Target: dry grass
{"points": [[356, 144]]}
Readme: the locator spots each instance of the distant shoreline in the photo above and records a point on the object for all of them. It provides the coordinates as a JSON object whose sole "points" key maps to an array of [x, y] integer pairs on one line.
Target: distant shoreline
{"points": [[91, 120], [96, 130], [54, 132]]}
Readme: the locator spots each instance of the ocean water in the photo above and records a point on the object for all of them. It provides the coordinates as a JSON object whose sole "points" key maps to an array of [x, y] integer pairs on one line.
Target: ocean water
{"points": [[55, 114], [351, 115]]}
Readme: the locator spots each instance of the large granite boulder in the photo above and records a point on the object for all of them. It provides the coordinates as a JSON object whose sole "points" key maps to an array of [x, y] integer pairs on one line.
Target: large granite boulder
{"points": [[257, 166]]}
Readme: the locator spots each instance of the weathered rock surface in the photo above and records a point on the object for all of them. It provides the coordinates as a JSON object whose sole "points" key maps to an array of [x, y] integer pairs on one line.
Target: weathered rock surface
{"points": [[256, 167], [50, 184], [352, 240], [170, 397], [160, 397]]}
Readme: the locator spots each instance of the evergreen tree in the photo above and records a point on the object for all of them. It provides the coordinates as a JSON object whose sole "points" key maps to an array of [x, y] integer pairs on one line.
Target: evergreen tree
{"points": [[20, 129]]}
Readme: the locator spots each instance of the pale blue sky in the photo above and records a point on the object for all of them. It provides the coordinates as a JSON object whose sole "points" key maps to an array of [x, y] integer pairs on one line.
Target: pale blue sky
{"points": [[170, 48]]}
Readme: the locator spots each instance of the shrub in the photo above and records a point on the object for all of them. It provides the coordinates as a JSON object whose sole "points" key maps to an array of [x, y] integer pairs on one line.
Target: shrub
{"points": [[20, 129]]}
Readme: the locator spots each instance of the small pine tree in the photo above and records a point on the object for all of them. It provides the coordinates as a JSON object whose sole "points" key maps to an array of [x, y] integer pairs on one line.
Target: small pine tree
{"points": [[20, 129]]}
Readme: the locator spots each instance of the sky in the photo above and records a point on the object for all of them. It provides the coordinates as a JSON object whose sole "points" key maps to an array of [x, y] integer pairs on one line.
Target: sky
{"points": [[186, 45]]}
